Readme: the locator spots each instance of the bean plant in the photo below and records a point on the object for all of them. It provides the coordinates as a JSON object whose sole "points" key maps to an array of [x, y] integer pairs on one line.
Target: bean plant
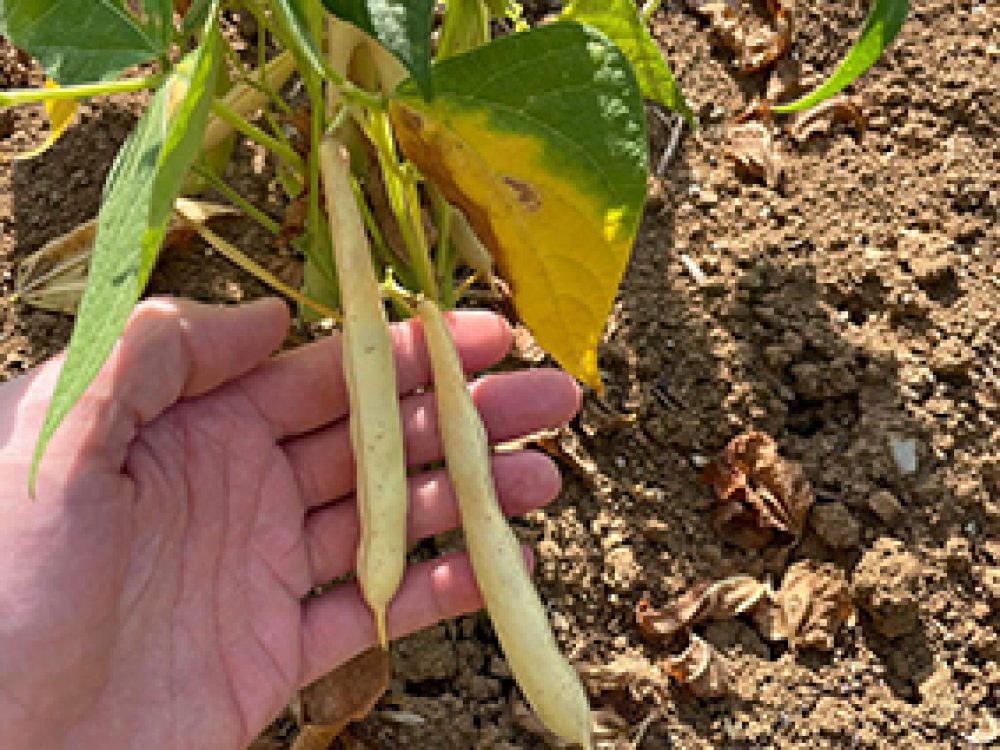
{"points": [[444, 145]]}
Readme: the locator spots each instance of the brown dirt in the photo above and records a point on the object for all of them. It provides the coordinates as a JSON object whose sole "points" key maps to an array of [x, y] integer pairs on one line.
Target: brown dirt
{"points": [[854, 303]]}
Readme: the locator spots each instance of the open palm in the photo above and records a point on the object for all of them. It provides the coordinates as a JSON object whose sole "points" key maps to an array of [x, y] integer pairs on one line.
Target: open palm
{"points": [[154, 595]]}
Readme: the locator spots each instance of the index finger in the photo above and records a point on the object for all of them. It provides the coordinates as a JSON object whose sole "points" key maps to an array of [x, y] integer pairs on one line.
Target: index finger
{"points": [[304, 389]]}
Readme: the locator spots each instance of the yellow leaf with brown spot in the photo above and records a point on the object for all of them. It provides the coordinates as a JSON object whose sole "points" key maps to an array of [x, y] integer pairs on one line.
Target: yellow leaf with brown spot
{"points": [[540, 139]]}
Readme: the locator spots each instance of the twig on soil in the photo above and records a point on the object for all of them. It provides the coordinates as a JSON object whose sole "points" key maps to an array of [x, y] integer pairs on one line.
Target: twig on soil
{"points": [[654, 715], [675, 139]]}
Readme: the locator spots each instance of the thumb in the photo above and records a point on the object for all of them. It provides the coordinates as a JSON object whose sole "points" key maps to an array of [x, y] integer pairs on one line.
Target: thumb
{"points": [[170, 349]]}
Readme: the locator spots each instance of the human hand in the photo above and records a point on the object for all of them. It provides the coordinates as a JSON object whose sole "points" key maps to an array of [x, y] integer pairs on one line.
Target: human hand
{"points": [[152, 595]]}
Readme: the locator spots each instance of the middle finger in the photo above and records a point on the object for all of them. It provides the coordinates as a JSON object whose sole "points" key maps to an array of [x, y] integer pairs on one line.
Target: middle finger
{"points": [[512, 405]]}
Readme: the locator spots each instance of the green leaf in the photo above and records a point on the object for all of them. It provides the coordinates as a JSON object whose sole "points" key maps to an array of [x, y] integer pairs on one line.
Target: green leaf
{"points": [[402, 26], [136, 206], [540, 138], [77, 41], [160, 21], [883, 23], [621, 22], [196, 16], [292, 23]]}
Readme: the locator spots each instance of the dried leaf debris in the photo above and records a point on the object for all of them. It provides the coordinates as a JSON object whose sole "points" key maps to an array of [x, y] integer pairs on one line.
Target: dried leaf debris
{"points": [[755, 45], [54, 276], [347, 694], [700, 667], [813, 603], [808, 610], [822, 118], [761, 498], [755, 152]]}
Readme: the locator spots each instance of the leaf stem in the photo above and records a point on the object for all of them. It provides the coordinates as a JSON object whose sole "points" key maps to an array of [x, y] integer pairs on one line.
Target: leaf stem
{"points": [[385, 253], [14, 97], [237, 200], [234, 255], [282, 150]]}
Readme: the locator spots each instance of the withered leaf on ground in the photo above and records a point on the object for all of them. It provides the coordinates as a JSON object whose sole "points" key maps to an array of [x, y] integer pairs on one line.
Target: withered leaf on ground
{"points": [[347, 694], [813, 603], [755, 153], [54, 276], [822, 118], [701, 668], [703, 601], [761, 498], [785, 81], [754, 44], [631, 673]]}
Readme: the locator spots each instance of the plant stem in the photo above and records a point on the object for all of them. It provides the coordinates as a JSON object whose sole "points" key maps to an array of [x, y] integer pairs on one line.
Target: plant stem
{"points": [[399, 298], [231, 253], [421, 260], [400, 186], [445, 254], [82, 91], [238, 200], [459, 291], [386, 255], [281, 150]]}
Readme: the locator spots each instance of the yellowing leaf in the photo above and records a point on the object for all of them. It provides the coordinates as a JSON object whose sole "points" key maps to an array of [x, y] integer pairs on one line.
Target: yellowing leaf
{"points": [[60, 113], [540, 139]]}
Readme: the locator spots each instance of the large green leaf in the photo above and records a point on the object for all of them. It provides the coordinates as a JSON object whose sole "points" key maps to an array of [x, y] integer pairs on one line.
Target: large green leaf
{"points": [[401, 26], [540, 139], [620, 20], [136, 206], [883, 23], [159, 21], [77, 41]]}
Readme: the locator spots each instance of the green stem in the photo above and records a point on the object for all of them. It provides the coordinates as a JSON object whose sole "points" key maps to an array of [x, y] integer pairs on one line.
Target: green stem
{"points": [[314, 224], [82, 91], [320, 66], [445, 254], [400, 186], [231, 253], [382, 249], [421, 260], [238, 200], [282, 150], [230, 53]]}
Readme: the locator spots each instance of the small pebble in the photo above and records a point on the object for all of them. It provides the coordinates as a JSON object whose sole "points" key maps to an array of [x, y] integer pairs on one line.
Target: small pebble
{"points": [[904, 453]]}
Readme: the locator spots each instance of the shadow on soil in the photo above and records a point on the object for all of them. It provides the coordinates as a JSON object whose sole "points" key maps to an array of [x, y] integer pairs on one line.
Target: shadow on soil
{"points": [[770, 348]]}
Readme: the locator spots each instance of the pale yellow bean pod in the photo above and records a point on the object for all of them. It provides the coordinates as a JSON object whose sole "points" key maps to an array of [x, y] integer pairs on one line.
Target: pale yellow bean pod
{"points": [[369, 368], [546, 678]]}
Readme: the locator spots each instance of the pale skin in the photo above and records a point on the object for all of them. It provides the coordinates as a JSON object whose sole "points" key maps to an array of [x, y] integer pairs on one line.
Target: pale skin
{"points": [[154, 594]]}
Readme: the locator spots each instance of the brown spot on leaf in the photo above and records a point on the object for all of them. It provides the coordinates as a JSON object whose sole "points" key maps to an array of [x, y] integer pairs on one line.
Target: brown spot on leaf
{"points": [[524, 193]]}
